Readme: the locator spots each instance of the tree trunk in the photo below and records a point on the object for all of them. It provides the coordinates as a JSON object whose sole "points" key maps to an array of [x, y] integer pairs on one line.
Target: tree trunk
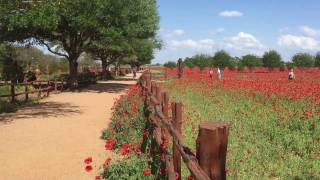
{"points": [[73, 72], [104, 69]]}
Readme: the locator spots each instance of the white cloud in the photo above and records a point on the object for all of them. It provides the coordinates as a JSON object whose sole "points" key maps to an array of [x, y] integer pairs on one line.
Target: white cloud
{"points": [[308, 31], [217, 31], [244, 41], [301, 42], [230, 14], [176, 32], [205, 44]]}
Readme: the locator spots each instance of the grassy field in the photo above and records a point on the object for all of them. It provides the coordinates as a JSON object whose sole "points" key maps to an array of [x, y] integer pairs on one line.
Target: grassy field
{"points": [[6, 106], [270, 138]]}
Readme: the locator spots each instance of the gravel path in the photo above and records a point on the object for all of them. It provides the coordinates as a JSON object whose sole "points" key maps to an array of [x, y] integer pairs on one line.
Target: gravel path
{"points": [[49, 141]]}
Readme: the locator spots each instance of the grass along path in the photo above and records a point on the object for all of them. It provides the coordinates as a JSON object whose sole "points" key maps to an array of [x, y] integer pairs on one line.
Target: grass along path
{"points": [[49, 141]]}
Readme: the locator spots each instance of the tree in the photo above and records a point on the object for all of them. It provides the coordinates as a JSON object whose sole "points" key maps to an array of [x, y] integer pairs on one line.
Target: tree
{"points": [[251, 61], [271, 59], [68, 27], [201, 60], [221, 59], [188, 62], [170, 64], [303, 60], [317, 60], [11, 69]]}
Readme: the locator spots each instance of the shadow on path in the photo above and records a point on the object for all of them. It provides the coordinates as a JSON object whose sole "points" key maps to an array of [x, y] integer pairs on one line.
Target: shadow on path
{"points": [[106, 88], [41, 110]]}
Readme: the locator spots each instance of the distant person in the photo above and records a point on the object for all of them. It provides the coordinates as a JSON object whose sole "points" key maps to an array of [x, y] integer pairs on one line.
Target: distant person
{"points": [[134, 71], [219, 73], [211, 73], [291, 75]]}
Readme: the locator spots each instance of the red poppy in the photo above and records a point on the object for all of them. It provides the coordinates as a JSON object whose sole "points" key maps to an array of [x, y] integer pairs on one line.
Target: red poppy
{"points": [[147, 171], [162, 171], [189, 177], [146, 133], [88, 168], [138, 151], [177, 175], [227, 171], [88, 160], [98, 178]]}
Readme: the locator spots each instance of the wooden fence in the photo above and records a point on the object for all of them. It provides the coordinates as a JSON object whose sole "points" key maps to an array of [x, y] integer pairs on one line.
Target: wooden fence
{"points": [[210, 158], [41, 87]]}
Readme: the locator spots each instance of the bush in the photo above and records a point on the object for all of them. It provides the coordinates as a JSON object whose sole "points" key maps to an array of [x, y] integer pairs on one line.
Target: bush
{"points": [[170, 64], [131, 167]]}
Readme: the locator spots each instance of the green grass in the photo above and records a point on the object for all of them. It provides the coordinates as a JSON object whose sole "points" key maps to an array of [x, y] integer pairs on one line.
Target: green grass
{"points": [[263, 143], [7, 107]]}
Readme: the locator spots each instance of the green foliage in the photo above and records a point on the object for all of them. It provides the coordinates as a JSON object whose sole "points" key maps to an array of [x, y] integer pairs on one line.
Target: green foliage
{"points": [[129, 168], [201, 61], [271, 59], [68, 28], [303, 60], [11, 69], [221, 59], [170, 64], [188, 62], [317, 60], [251, 61]]}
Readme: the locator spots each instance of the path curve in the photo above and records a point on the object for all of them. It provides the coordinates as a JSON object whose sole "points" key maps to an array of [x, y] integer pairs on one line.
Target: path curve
{"points": [[49, 141]]}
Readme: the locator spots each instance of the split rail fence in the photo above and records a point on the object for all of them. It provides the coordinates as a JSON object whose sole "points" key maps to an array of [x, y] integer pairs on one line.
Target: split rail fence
{"points": [[44, 87], [210, 158]]}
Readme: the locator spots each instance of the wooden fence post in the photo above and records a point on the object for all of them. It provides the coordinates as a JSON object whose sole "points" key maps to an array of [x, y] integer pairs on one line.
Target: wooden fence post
{"points": [[13, 98], [55, 86], [48, 88], [39, 90], [212, 149], [177, 122], [26, 91]]}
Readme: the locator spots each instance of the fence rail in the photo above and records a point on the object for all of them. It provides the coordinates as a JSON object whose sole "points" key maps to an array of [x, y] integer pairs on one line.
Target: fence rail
{"points": [[41, 87], [210, 158]]}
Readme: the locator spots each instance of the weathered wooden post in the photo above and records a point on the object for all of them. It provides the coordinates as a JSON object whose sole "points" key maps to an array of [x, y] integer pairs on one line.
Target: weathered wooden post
{"points": [[26, 91], [165, 137], [55, 86], [39, 90], [48, 88], [177, 123], [13, 96], [212, 149]]}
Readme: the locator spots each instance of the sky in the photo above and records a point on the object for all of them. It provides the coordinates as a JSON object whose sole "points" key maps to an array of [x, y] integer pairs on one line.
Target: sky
{"points": [[189, 27]]}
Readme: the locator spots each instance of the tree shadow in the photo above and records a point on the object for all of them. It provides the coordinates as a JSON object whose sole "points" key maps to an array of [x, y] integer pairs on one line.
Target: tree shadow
{"points": [[42, 110], [106, 88]]}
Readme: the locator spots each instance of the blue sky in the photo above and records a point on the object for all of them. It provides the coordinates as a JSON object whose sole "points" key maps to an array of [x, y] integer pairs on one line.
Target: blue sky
{"points": [[188, 27]]}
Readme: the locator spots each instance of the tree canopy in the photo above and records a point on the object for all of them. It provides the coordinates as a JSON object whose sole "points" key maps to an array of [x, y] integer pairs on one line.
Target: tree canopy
{"points": [[317, 60], [251, 61], [222, 59], [68, 27], [271, 59], [303, 60]]}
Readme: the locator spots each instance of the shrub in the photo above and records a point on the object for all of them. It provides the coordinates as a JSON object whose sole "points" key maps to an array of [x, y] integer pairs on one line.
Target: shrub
{"points": [[132, 167]]}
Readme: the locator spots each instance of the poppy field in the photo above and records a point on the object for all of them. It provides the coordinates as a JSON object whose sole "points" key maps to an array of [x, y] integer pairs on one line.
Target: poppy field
{"points": [[274, 122]]}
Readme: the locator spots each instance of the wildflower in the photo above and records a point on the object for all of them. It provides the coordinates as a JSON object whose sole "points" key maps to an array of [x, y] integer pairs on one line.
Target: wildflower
{"points": [[147, 171], [98, 178], [88, 168], [189, 177], [88, 160]]}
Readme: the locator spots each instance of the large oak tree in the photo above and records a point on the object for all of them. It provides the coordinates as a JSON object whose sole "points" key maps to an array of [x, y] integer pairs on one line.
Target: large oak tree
{"points": [[68, 27]]}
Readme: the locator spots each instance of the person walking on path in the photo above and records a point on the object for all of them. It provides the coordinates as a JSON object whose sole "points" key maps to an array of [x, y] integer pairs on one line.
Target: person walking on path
{"points": [[219, 73], [291, 75], [134, 71], [211, 73]]}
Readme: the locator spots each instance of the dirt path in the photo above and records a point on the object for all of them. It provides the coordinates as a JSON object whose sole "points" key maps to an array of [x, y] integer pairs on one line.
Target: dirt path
{"points": [[49, 141]]}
